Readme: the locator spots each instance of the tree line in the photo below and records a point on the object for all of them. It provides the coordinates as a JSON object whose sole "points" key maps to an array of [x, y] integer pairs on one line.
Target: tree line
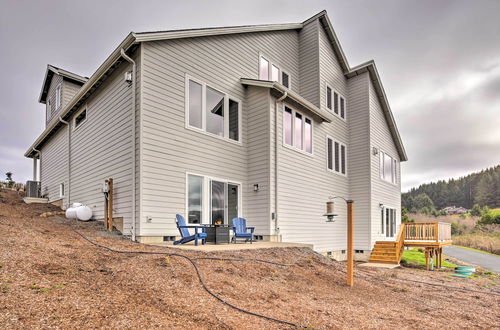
{"points": [[482, 188]]}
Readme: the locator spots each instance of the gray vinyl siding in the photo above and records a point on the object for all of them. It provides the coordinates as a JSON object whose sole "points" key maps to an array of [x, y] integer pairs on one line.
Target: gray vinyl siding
{"points": [[54, 166], [304, 185], [57, 80], [101, 149], [259, 159], [309, 62], [382, 191], [169, 148], [69, 89], [359, 159]]}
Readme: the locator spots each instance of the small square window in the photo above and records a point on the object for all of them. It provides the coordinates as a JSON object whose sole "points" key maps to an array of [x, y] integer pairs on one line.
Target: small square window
{"points": [[285, 79], [80, 118]]}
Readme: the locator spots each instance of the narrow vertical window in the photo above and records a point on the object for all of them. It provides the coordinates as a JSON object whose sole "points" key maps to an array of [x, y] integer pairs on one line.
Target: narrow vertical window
{"points": [[298, 130], [285, 79], [382, 221], [328, 97], [195, 198], [381, 165], [337, 157], [264, 69], [61, 190], [342, 158], [394, 171], [195, 104], [287, 123], [234, 109], [275, 73], [308, 135], [342, 107], [329, 153], [58, 97], [215, 112], [336, 103]]}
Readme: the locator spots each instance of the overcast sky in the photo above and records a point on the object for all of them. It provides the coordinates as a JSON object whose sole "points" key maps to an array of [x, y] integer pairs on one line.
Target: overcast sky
{"points": [[439, 62]]}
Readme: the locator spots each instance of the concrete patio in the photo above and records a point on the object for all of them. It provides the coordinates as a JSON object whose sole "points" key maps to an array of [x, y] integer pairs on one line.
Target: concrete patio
{"points": [[232, 246]]}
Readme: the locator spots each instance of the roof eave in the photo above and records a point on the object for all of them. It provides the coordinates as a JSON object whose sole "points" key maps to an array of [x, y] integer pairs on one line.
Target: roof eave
{"points": [[115, 55], [290, 94], [155, 36]]}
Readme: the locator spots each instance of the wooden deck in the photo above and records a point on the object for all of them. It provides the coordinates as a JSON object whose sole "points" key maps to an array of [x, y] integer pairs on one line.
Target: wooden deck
{"points": [[432, 236]]}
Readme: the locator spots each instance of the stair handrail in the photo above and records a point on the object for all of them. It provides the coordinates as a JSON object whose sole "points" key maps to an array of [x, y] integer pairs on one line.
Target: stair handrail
{"points": [[400, 240]]}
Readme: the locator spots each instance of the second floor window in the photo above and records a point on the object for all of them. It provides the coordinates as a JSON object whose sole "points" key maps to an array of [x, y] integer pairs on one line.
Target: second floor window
{"points": [[388, 168], [271, 71], [58, 97], [336, 154], [297, 130], [335, 102], [212, 111]]}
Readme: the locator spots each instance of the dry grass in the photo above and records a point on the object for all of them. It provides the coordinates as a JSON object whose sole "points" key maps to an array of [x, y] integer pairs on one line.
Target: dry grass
{"points": [[482, 241], [467, 223]]}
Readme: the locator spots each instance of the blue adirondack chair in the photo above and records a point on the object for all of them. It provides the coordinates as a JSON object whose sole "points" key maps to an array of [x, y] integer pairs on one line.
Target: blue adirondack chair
{"points": [[199, 232], [240, 230]]}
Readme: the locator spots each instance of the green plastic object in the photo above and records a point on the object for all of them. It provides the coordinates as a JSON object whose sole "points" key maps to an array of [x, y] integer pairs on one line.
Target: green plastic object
{"points": [[460, 275]]}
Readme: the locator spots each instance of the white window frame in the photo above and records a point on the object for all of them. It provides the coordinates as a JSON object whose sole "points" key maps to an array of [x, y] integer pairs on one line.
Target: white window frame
{"points": [[270, 68], [206, 198], [75, 127], [383, 221], [304, 117], [62, 191], [394, 166], [332, 170], [203, 128], [58, 96], [339, 95]]}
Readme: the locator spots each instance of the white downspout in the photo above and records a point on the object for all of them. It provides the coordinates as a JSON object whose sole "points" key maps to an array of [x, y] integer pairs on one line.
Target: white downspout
{"points": [[39, 164], [276, 153], [130, 60], [69, 158]]}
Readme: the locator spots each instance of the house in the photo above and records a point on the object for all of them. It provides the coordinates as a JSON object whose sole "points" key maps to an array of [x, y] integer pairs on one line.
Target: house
{"points": [[455, 210], [264, 122]]}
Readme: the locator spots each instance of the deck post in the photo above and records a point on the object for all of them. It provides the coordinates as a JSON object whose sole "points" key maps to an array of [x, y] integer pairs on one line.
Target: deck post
{"points": [[110, 205], [426, 259], [350, 243]]}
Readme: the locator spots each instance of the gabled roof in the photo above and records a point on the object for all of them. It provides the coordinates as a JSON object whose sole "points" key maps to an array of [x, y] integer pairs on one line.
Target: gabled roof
{"points": [[134, 38], [49, 74]]}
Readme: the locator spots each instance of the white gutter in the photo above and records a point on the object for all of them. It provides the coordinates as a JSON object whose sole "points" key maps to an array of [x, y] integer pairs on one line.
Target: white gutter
{"points": [[69, 158], [133, 110], [276, 153]]}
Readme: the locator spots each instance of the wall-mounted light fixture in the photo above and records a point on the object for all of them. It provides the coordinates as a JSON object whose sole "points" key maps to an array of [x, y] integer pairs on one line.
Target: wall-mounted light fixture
{"points": [[375, 151], [256, 187], [380, 205]]}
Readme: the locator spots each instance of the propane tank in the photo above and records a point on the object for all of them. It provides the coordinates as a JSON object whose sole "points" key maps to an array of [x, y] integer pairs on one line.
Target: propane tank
{"points": [[79, 211]]}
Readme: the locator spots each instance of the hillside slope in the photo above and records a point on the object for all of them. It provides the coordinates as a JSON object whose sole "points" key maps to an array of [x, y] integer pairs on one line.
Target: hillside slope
{"points": [[51, 277]]}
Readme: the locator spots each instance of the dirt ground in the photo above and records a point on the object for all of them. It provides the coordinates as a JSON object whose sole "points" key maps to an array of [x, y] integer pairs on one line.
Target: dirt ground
{"points": [[52, 278]]}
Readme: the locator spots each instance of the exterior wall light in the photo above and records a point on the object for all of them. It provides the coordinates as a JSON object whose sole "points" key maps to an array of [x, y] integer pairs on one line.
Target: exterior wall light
{"points": [[256, 187]]}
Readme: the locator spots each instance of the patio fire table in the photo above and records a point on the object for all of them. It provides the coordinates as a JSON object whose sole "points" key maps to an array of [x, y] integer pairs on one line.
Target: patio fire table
{"points": [[217, 234]]}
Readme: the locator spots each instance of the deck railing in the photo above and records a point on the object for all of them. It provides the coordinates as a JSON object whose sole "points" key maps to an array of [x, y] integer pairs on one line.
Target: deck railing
{"points": [[427, 231]]}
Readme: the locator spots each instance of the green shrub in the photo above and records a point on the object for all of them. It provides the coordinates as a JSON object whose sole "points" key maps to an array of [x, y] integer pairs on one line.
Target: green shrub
{"points": [[476, 211]]}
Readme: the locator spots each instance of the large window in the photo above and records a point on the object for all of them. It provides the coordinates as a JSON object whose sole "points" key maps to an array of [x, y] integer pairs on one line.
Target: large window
{"points": [[58, 97], [388, 168], [210, 200], [335, 102], [297, 130], [271, 71], [212, 111], [336, 154]]}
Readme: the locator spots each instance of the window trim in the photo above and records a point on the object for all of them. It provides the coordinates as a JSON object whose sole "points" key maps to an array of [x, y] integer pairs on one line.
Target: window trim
{"points": [[58, 96], [203, 128], [269, 73], [62, 190], [304, 117], [332, 170], [340, 95], [394, 171], [206, 198], [84, 108]]}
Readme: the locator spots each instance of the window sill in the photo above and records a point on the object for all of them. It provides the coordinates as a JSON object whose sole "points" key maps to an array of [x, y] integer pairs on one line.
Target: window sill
{"points": [[222, 138], [309, 154], [336, 173], [389, 182]]}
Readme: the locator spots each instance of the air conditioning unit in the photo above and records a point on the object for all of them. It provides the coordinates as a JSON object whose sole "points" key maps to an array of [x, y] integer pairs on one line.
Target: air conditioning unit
{"points": [[33, 189]]}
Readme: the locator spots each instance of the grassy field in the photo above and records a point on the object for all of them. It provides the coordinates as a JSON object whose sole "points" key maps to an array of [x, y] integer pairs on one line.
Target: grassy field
{"points": [[416, 258], [489, 242]]}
